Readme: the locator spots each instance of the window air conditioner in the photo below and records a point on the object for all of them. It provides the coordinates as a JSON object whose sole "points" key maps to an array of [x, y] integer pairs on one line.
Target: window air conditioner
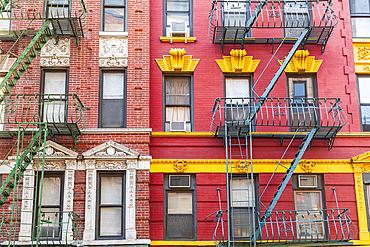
{"points": [[178, 29], [307, 181], [178, 126], [179, 181]]}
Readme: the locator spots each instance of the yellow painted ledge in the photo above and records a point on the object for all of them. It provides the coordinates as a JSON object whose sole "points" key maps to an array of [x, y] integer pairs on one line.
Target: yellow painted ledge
{"points": [[360, 243], [178, 39], [209, 134], [187, 243]]}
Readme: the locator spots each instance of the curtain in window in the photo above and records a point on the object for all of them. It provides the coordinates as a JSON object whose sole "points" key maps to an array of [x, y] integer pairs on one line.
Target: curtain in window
{"points": [[177, 91], [242, 193], [237, 88]]}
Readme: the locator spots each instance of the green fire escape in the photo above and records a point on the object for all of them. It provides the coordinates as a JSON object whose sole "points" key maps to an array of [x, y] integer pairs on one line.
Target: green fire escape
{"points": [[28, 120], [235, 119]]}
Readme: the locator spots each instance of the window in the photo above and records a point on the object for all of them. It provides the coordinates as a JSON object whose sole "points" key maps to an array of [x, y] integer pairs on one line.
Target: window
{"points": [[4, 23], [308, 204], [180, 205], [178, 103], [360, 18], [51, 205], [59, 10], [296, 17], [112, 99], [241, 207], [235, 14], [364, 98], [237, 90], [113, 15], [111, 206], [177, 11], [301, 90], [54, 87]]}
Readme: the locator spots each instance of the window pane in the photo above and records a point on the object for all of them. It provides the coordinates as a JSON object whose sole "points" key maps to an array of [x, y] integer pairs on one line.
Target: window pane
{"points": [[110, 221], [113, 85], [359, 6], [50, 222], [237, 88], [177, 5], [114, 2], [54, 111], [114, 19], [180, 203], [365, 117], [172, 17], [111, 190], [360, 27], [242, 220], [58, 11], [177, 114], [112, 114], [55, 83], [364, 89], [51, 191], [308, 200], [180, 226], [178, 90], [242, 193]]}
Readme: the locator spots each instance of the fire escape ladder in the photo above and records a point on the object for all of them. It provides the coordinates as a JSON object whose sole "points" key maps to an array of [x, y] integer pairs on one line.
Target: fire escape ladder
{"points": [[25, 59], [301, 40], [302, 148]]}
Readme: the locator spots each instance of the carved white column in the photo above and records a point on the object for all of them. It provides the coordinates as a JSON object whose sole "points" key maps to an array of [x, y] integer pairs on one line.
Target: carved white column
{"points": [[130, 199], [68, 199], [27, 205], [90, 205]]}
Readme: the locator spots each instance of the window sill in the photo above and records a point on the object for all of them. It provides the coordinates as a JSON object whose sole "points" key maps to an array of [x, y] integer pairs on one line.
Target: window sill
{"points": [[118, 242], [361, 40], [178, 39], [121, 34]]}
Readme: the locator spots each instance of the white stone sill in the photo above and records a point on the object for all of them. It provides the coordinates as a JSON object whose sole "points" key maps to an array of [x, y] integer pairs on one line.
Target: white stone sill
{"points": [[121, 34], [113, 130], [118, 242]]}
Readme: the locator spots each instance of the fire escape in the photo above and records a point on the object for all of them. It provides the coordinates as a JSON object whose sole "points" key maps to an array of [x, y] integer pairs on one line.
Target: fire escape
{"points": [[236, 119], [30, 118]]}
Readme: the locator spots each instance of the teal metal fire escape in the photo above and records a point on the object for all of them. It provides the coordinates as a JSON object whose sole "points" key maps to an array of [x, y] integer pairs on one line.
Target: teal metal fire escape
{"points": [[235, 119]]}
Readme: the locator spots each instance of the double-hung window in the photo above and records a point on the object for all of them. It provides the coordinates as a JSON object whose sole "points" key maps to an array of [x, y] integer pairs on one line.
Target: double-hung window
{"points": [[360, 18], [4, 19], [112, 99], [296, 18], [113, 15], [53, 100], [308, 203], [51, 205], [111, 206], [178, 103], [237, 93], [175, 13], [180, 201], [60, 11], [364, 98], [241, 207]]}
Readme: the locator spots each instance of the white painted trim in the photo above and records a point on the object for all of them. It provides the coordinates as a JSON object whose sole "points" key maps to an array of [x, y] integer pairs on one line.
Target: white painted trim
{"points": [[113, 131], [113, 34], [119, 242]]}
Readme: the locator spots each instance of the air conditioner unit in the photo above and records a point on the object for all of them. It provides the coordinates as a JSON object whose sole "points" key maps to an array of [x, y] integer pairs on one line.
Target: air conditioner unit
{"points": [[179, 181], [307, 181], [178, 29], [177, 126]]}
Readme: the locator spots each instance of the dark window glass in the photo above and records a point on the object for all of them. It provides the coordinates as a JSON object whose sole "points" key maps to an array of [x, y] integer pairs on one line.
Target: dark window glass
{"points": [[364, 90], [111, 206], [113, 109], [113, 15], [180, 209], [360, 18]]}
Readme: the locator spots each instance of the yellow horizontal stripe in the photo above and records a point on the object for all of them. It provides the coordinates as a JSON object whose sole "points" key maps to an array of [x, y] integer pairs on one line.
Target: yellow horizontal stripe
{"points": [[178, 39], [197, 243]]}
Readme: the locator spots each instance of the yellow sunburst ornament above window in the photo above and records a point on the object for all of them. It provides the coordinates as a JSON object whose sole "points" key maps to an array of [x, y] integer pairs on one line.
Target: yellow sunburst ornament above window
{"points": [[238, 62], [177, 62], [302, 63]]}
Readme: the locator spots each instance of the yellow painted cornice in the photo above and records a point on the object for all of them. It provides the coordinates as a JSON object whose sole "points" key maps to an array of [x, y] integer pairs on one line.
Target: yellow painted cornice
{"points": [[177, 62], [361, 51], [178, 39], [238, 62], [302, 63], [183, 243]]}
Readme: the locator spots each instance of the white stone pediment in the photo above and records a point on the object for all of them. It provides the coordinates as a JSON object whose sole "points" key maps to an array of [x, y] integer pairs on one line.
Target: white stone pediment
{"points": [[57, 151], [110, 150]]}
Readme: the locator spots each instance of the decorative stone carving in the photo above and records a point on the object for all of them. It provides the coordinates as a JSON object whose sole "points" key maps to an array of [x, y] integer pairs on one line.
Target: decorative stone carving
{"points": [[113, 51], [177, 61], [110, 165], [71, 164], [302, 63], [307, 166], [180, 166], [131, 190], [109, 150], [89, 188], [240, 166], [90, 164], [69, 190], [363, 53], [55, 54], [51, 166], [238, 62]]}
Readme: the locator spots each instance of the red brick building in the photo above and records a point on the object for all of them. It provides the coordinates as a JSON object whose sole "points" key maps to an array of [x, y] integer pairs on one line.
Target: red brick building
{"points": [[258, 120]]}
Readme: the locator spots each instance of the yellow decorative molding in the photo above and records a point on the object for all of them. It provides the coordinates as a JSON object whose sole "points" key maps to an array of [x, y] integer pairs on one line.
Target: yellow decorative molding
{"points": [[302, 63], [238, 62], [177, 62], [361, 52], [182, 243], [178, 39], [180, 166], [307, 165]]}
